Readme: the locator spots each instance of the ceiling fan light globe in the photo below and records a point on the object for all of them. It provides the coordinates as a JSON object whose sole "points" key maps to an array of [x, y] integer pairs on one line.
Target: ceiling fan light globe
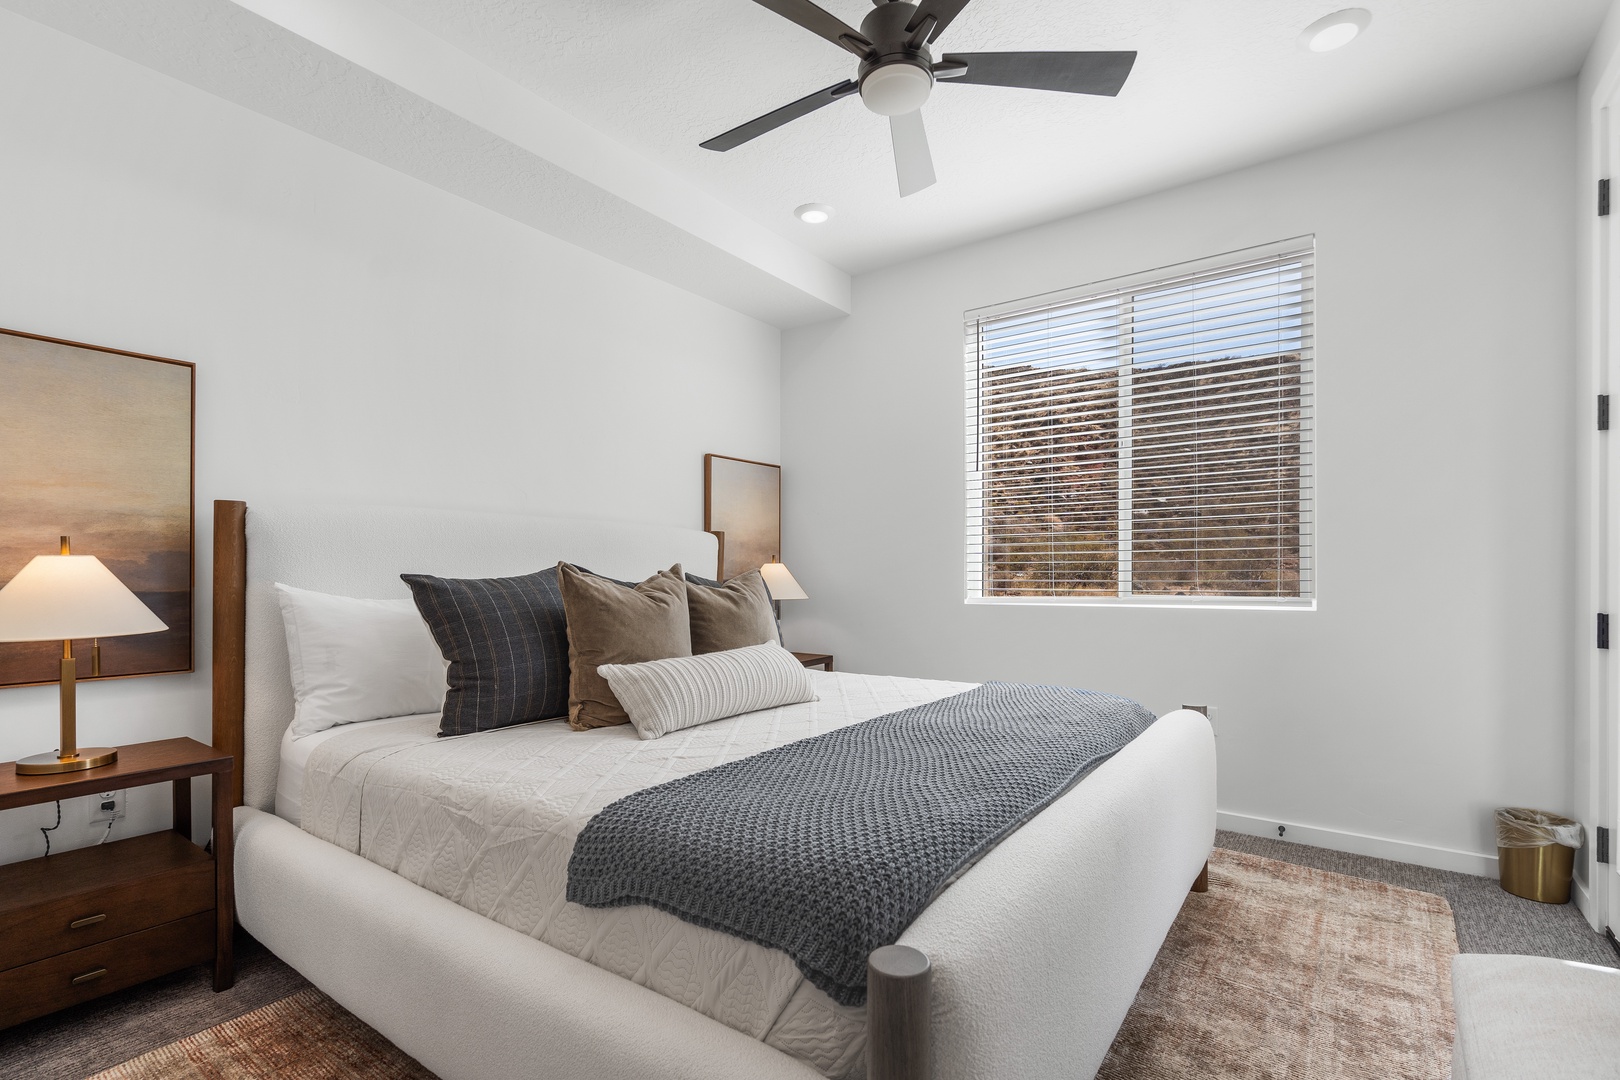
{"points": [[896, 89]]}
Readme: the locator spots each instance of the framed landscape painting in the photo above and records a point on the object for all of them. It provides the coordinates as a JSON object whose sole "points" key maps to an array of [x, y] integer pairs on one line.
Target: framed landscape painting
{"points": [[742, 506], [96, 445]]}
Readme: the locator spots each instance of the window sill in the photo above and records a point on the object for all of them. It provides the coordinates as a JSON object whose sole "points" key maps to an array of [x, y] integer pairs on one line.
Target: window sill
{"points": [[1212, 603]]}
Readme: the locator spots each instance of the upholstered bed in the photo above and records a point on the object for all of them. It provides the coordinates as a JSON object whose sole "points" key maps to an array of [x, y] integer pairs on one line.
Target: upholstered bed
{"points": [[1034, 954]]}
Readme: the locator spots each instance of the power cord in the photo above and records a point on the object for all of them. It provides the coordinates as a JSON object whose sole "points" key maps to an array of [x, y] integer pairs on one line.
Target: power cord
{"points": [[46, 833]]}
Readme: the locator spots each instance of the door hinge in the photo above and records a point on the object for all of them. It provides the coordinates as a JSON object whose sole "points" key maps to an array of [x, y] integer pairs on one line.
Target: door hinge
{"points": [[1603, 630], [1603, 198], [1602, 844], [1603, 412]]}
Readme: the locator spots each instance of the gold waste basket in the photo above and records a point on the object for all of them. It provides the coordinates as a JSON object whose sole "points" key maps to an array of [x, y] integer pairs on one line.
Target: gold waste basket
{"points": [[1538, 873], [1536, 853]]}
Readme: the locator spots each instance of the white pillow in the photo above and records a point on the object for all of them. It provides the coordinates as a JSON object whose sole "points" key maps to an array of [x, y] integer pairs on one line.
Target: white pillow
{"points": [[662, 696], [356, 660]]}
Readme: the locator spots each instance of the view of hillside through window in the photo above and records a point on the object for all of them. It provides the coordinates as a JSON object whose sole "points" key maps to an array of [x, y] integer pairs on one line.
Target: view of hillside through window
{"points": [[1153, 441]]}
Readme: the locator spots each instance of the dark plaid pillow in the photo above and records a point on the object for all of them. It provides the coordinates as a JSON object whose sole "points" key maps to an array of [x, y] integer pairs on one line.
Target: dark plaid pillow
{"points": [[507, 643]]}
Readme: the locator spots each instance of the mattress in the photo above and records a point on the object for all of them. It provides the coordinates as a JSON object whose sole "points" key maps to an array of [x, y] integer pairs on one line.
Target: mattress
{"points": [[489, 821], [295, 754]]}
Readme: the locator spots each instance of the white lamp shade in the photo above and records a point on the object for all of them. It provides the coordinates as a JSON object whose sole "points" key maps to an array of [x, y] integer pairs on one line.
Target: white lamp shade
{"points": [[62, 597], [781, 583]]}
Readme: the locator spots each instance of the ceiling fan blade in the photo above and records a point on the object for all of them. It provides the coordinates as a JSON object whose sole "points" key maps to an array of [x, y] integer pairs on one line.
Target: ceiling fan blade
{"points": [[941, 11], [772, 120], [913, 164], [1100, 73], [817, 21]]}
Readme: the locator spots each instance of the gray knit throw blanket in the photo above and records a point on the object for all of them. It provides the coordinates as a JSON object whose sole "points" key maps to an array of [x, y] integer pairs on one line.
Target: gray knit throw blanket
{"points": [[829, 847]]}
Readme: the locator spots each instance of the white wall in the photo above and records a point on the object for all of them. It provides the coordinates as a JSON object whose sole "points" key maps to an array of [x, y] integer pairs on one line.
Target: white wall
{"points": [[1434, 681], [358, 335]]}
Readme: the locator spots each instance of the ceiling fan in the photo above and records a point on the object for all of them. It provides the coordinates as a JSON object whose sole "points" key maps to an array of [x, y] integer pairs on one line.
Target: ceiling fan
{"points": [[898, 71]]}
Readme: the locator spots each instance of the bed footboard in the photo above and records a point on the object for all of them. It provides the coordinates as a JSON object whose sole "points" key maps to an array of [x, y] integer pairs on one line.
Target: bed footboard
{"points": [[898, 1010], [1025, 968]]}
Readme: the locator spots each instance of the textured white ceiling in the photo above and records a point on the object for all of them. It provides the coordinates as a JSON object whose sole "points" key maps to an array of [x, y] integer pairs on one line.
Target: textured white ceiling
{"points": [[1217, 85]]}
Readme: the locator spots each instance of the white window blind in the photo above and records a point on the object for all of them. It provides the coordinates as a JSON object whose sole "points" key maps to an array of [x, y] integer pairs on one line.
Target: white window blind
{"points": [[1147, 439]]}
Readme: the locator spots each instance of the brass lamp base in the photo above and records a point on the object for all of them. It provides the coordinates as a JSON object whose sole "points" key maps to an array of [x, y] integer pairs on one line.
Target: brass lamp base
{"points": [[85, 757]]}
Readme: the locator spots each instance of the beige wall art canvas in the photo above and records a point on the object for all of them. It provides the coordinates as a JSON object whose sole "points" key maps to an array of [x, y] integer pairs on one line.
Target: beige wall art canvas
{"points": [[96, 444], [742, 505]]}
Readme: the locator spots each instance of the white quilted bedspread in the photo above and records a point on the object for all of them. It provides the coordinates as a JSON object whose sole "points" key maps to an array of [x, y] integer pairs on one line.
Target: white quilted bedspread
{"points": [[489, 821]]}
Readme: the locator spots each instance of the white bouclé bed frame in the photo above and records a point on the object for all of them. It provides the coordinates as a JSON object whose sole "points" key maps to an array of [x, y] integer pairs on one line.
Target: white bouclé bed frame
{"points": [[1034, 955]]}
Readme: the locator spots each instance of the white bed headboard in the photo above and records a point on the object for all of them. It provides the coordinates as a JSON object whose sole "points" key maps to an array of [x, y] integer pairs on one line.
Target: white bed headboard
{"points": [[361, 551]]}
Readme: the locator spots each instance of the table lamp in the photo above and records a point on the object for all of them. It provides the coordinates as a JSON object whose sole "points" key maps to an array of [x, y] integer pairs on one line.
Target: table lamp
{"points": [[781, 584], [60, 598]]}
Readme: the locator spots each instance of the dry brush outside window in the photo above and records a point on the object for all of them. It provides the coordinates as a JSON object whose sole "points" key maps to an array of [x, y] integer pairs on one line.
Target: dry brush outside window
{"points": [[1147, 439]]}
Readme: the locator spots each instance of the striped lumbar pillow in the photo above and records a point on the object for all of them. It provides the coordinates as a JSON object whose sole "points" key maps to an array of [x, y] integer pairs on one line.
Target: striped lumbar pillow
{"points": [[662, 696]]}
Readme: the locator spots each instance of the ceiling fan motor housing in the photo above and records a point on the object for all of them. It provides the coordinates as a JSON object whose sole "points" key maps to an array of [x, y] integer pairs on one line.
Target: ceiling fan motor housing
{"points": [[898, 75]]}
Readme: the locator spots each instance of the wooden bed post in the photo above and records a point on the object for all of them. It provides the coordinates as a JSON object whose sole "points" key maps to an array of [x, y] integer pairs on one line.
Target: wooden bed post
{"points": [[230, 633], [1201, 882], [898, 1042]]}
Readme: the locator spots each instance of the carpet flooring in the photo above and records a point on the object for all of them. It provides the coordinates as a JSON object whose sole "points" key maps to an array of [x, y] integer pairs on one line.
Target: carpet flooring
{"points": [[90, 1038]]}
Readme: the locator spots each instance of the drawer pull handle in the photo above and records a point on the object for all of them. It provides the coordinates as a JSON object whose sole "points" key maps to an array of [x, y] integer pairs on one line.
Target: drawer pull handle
{"points": [[86, 921], [89, 976]]}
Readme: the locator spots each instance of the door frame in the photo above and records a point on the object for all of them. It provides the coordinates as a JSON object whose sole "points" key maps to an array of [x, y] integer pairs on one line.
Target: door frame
{"points": [[1596, 736]]}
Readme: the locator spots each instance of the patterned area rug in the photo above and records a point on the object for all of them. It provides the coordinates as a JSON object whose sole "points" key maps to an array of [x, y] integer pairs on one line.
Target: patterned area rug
{"points": [[1281, 972], [304, 1037]]}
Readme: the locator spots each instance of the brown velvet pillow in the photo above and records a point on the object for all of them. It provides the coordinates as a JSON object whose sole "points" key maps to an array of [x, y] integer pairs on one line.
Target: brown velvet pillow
{"points": [[611, 624], [730, 616]]}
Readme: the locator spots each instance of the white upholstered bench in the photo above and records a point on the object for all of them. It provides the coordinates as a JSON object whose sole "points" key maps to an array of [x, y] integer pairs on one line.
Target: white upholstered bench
{"points": [[1526, 1016]]}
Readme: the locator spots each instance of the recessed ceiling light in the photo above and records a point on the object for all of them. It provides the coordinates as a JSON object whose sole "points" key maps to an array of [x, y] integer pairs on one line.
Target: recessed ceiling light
{"points": [[813, 213], [1333, 31]]}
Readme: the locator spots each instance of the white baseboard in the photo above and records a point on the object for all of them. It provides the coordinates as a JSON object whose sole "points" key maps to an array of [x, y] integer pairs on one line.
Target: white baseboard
{"points": [[1440, 858], [1583, 902]]}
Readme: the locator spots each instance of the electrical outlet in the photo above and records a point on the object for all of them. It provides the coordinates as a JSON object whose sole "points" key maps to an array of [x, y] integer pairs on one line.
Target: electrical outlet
{"points": [[107, 806]]}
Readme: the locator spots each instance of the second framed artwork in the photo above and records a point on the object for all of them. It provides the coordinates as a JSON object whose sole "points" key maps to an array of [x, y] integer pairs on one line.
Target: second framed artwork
{"points": [[742, 506], [96, 444]]}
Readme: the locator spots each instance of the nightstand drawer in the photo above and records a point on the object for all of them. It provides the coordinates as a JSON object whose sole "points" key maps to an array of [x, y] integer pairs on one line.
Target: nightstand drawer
{"points": [[78, 898], [43, 987]]}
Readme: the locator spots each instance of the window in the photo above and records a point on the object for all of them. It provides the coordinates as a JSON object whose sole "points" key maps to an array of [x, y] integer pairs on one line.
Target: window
{"points": [[1147, 440]]}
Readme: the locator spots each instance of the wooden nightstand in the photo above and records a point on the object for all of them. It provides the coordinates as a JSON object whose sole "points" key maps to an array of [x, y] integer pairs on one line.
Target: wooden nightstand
{"points": [[87, 922], [821, 660]]}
